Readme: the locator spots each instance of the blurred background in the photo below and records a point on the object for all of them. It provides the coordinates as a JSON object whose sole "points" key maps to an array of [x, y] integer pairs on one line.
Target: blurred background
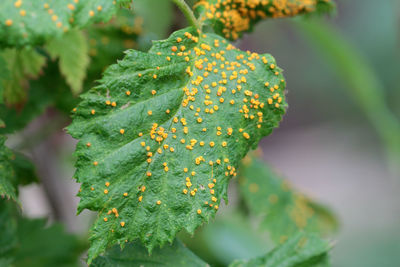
{"points": [[336, 143]]}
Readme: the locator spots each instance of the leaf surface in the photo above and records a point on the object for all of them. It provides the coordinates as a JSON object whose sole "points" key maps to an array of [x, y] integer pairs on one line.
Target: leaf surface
{"points": [[231, 18], [33, 22], [283, 210], [73, 53], [136, 255], [302, 250], [163, 133]]}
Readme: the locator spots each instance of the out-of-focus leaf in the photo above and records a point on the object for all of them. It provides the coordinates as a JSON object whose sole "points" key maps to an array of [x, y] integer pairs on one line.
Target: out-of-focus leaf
{"points": [[22, 64], [33, 22], [364, 86], [15, 169], [28, 242], [24, 169], [230, 18], [233, 237], [109, 41], [283, 210], [7, 174], [156, 15], [302, 250], [163, 133], [73, 53], [3, 76], [134, 254], [8, 230], [39, 245], [50, 90]]}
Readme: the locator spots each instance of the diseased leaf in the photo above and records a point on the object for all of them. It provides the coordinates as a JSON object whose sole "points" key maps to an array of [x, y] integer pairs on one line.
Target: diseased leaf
{"points": [[283, 210], [73, 53], [22, 64], [231, 18], [163, 133], [33, 22], [302, 250], [7, 174], [134, 254]]}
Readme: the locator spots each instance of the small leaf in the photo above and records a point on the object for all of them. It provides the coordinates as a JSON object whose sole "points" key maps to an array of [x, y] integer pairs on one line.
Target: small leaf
{"points": [[34, 22], [302, 250], [230, 18], [22, 64], [72, 50], [7, 174], [283, 210], [134, 254], [163, 133]]}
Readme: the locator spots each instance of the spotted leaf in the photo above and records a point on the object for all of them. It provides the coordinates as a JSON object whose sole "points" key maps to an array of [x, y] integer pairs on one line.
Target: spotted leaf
{"points": [[284, 211], [230, 18], [32, 22], [163, 133], [305, 250]]}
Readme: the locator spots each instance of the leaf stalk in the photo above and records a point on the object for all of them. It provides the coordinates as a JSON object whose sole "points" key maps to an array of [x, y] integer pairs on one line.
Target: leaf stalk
{"points": [[187, 11]]}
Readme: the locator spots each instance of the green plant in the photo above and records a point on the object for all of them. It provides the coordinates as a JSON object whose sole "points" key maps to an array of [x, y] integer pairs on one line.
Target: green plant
{"points": [[161, 134]]}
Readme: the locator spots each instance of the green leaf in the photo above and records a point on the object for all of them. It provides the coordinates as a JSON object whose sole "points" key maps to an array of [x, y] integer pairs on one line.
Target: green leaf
{"points": [[283, 210], [176, 255], [3, 75], [22, 64], [7, 174], [73, 53], [163, 133], [47, 91], [34, 22], [28, 242], [230, 236], [8, 230], [45, 246], [231, 18], [302, 250]]}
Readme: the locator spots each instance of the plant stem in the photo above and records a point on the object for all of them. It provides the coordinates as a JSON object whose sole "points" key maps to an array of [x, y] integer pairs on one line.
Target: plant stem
{"points": [[187, 11]]}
